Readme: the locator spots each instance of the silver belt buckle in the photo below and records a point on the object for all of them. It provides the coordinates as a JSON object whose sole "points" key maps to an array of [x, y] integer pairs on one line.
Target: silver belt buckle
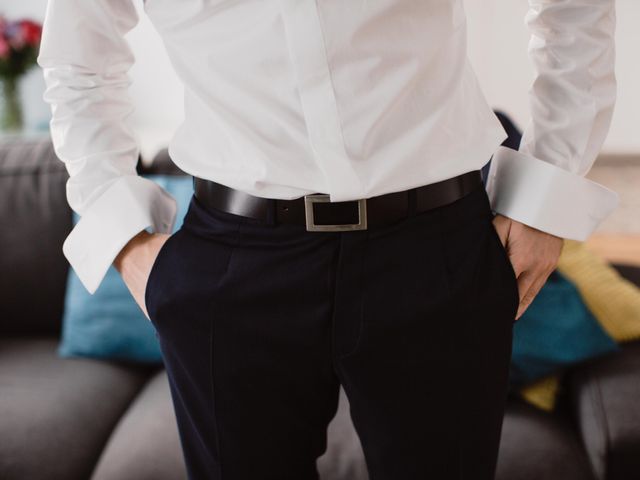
{"points": [[310, 199]]}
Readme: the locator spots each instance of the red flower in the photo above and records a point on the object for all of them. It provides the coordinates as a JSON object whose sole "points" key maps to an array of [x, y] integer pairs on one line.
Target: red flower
{"points": [[13, 34], [4, 48], [31, 32], [19, 42]]}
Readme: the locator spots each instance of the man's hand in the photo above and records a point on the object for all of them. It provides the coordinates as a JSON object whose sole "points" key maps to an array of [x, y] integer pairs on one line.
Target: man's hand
{"points": [[534, 255], [135, 260]]}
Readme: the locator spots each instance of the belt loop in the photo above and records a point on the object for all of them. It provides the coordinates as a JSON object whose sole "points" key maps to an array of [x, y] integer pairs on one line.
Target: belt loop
{"points": [[411, 202]]}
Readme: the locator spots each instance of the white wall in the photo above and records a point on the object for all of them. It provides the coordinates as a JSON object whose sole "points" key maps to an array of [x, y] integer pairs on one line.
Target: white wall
{"points": [[498, 41]]}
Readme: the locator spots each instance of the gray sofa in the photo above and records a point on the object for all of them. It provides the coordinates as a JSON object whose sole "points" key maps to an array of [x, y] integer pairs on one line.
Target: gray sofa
{"points": [[68, 419]]}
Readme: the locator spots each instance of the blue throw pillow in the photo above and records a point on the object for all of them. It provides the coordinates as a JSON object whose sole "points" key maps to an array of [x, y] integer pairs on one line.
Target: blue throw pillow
{"points": [[109, 324], [556, 330]]}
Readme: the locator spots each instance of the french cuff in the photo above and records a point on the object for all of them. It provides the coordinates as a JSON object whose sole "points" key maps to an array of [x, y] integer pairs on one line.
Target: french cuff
{"points": [[131, 204], [544, 196]]}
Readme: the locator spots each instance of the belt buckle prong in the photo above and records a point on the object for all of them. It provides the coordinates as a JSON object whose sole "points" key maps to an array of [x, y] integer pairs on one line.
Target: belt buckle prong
{"points": [[310, 199]]}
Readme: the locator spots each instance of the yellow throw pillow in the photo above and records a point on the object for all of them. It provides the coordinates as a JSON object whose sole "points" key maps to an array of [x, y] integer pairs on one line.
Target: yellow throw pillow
{"points": [[543, 392], [613, 300]]}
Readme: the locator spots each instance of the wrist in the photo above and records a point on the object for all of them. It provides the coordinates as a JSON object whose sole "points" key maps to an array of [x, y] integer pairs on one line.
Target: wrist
{"points": [[131, 245]]}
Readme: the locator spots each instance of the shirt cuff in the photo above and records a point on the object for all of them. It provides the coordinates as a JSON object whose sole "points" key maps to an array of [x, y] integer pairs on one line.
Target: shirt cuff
{"points": [[546, 197], [131, 204]]}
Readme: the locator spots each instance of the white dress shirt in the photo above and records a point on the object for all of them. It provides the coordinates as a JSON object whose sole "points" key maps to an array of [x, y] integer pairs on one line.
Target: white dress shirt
{"points": [[353, 98]]}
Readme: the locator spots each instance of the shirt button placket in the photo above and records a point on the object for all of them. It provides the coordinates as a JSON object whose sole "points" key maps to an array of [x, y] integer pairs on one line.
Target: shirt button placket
{"points": [[305, 40]]}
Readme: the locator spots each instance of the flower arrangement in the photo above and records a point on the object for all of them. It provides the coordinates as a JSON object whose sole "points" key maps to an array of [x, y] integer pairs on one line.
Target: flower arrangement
{"points": [[19, 45]]}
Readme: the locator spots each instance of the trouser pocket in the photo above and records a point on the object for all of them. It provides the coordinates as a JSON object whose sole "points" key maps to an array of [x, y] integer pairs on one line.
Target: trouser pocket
{"points": [[506, 262], [155, 275]]}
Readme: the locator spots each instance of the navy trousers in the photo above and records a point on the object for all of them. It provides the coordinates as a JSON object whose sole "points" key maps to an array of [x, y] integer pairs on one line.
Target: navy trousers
{"points": [[259, 324]]}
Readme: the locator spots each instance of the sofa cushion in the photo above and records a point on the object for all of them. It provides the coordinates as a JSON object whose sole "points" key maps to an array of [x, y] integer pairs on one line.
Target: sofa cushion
{"points": [[36, 219], [343, 459], [109, 323], [539, 445], [145, 444], [613, 299], [56, 414], [605, 394], [610, 290], [556, 330]]}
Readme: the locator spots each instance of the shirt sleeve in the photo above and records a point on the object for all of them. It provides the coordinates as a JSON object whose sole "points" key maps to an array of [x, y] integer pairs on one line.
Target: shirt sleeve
{"points": [[85, 61], [543, 183]]}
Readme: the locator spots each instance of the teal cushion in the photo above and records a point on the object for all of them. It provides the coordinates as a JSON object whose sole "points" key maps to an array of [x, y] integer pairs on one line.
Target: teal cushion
{"points": [[556, 330], [109, 324]]}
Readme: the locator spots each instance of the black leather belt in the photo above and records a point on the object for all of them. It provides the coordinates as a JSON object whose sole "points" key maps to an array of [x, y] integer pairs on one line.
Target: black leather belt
{"points": [[318, 214]]}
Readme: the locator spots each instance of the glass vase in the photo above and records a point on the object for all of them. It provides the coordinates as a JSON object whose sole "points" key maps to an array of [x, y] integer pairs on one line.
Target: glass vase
{"points": [[10, 107]]}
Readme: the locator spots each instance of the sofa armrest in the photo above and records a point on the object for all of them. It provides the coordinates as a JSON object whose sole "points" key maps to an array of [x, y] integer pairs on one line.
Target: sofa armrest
{"points": [[628, 271], [604, 394]]}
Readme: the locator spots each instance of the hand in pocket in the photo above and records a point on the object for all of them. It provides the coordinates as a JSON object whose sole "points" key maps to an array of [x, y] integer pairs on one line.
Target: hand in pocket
{"points": [[533, 254], [135, 260]]}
